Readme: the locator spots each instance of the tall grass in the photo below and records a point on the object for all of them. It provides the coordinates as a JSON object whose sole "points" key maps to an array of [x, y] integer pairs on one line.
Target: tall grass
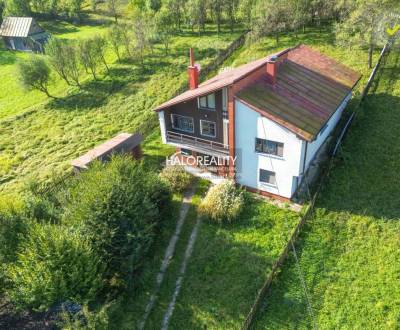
{"points": [[349, 252]]}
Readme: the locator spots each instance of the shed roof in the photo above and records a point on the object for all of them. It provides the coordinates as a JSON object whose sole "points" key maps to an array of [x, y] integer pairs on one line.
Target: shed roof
{"points": [[19, 27], [123, 142], [308, 90]]}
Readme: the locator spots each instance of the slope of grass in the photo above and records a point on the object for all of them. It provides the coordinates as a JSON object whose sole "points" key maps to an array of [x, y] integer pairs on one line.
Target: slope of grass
{"points": [[225, 271], [43, 142], [349, 252], [229, 265], [14, 99]]}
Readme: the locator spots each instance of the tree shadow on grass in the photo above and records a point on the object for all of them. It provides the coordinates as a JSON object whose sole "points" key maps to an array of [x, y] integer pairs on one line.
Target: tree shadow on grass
{"points": [[59, 27], [93, 95]]}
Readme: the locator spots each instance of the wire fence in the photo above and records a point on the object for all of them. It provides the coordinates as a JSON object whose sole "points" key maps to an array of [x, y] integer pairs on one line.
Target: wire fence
{"points": [[252, 315]]}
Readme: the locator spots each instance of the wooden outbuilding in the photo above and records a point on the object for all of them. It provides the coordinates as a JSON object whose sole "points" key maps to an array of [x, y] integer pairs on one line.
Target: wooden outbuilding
{"points": [[23, 34], [122, 143]]}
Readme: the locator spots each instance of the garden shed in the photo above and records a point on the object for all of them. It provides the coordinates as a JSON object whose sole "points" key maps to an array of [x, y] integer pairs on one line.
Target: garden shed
{"points": [[122, 143], [24, 34]]}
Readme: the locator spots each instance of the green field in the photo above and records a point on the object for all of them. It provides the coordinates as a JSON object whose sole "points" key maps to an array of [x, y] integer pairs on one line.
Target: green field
{"points": [[41, 142], [225, 271], [350, 251]]}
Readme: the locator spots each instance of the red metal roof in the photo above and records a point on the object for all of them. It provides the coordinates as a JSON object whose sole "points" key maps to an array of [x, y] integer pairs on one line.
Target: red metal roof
{"points": [[221, 80], [308, 90]]}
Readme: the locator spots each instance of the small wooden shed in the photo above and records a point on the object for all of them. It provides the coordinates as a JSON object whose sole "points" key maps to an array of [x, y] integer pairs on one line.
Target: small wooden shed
{"points": [[122, 143], [24, 34]]}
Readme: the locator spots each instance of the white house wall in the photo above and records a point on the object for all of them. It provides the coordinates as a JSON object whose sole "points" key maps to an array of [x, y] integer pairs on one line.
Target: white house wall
{"points": [[314, 146], [248, 125]]}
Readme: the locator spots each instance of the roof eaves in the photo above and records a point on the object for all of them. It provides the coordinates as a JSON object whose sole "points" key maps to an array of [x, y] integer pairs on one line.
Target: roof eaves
{"points": [[188, 98], [263, 112]]}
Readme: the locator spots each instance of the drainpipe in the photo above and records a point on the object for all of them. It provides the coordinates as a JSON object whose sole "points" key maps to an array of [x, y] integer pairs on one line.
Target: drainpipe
{"points": [[305, 159]]}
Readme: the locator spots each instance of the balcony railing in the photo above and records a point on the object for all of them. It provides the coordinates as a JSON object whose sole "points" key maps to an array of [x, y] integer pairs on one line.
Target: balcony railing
{"points": [[187, 140]]}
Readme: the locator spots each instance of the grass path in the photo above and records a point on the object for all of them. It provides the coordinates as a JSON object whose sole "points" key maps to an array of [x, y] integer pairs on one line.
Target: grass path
{"points": [[169, 253], [182, 271], [349, 251]]}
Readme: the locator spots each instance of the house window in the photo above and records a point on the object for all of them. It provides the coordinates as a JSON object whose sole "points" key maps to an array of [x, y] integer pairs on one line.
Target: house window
{"points": [[186, 152], [207, 102], [269, 147], [182, 123], [267, 177], [207, 128]]}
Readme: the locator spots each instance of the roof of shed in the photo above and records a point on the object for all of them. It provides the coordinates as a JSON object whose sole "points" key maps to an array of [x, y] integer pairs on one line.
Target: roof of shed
{"points": [[121, 143], [308, 90], [19, 27]]}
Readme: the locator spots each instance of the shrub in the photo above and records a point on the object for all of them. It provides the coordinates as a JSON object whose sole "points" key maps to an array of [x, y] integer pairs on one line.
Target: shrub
{"points": [[34, 74], [223, 202], [54, 264], [118, 205], [87, 319], [176, 178], [13, 226]]}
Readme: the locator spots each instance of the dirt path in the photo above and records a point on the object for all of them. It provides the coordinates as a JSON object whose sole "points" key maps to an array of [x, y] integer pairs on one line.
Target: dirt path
{"points": [[169, 253], [182, 271]]}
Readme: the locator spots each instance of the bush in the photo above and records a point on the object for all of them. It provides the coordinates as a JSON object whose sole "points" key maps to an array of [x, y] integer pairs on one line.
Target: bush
{"points": [[54, 264], [118, 205], [176, 178], [223, 202], [13, 227]]}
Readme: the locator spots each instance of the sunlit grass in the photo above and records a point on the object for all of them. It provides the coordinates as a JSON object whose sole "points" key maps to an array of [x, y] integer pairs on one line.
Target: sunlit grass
{"points": [[44, 141], [349, 252]]}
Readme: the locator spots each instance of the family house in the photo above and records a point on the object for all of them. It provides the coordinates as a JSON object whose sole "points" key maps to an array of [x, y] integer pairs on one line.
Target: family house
{"points": [[23, 33], [267, 118]]}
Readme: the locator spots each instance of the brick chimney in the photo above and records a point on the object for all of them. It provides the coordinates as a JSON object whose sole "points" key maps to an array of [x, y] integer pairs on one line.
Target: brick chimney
{"points": [[273, 65], [272, 68], [193, 71]]}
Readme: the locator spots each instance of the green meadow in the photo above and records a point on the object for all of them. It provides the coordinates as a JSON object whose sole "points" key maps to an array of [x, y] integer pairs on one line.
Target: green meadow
{"points": [[349, 251], [39, 137]]}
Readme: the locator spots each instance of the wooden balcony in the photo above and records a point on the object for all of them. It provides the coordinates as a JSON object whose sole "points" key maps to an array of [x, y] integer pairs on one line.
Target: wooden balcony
{"points": [[197, 144]]}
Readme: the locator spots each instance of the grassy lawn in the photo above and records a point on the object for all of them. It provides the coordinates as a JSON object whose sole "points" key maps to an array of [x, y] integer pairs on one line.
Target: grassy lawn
{"points": [[225, 271], [13, 99], [41, 143], [350, 251]]}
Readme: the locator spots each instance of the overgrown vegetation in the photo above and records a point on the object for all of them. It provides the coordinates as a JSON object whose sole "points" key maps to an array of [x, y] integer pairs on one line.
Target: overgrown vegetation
{"points": [[176, 178], [93, 246], [223, 203], [228, 265], [53, 263]]}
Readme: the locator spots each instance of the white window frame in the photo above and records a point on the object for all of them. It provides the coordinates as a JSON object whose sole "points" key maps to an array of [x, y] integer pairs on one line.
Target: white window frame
{"points": [[266, 183], [180, 129], [208, 121], [225, 99], [267, 153], [207, 108], [225, 127]]}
